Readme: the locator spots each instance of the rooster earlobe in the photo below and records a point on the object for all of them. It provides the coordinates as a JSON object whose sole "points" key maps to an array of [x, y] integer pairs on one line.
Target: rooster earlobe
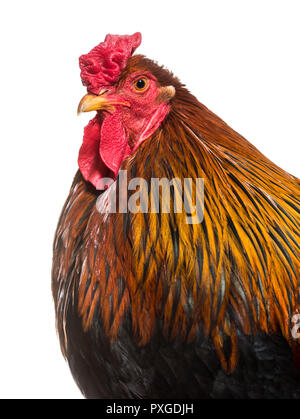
{"points": [[166, 93]]}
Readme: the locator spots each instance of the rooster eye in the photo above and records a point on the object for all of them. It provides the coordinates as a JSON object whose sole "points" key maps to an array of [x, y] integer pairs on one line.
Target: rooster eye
{"points": [[141, 84]]}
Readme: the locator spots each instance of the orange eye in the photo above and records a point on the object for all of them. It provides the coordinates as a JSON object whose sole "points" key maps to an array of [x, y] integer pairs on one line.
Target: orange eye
{"points": [[141, 84]]}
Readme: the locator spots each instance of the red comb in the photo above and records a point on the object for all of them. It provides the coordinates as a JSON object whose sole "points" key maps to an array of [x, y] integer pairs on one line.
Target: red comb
{"points": [[102, 66]]}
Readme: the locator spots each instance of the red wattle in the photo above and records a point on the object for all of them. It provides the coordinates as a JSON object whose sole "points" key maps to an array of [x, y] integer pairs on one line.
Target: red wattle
{"points": [[105, 145], [103, 149], [90, 164], [114, 147]]}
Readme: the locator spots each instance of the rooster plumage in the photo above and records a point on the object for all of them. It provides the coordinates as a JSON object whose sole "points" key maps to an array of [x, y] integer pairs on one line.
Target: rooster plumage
{"points": [[150, 306]]}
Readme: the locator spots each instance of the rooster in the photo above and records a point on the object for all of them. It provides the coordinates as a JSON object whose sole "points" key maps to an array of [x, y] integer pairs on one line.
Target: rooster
{"points": [[147, 304]]}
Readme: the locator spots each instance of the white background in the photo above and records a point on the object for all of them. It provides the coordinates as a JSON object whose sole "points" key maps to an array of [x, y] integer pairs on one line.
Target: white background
{"points": [[240, 58]]}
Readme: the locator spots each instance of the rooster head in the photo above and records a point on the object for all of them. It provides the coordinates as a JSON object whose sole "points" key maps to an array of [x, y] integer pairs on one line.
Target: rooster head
{"points": [[131, 101]]}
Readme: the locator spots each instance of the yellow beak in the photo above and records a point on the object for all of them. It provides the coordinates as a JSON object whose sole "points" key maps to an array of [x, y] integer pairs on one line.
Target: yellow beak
{"points": [[103, 102]]}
